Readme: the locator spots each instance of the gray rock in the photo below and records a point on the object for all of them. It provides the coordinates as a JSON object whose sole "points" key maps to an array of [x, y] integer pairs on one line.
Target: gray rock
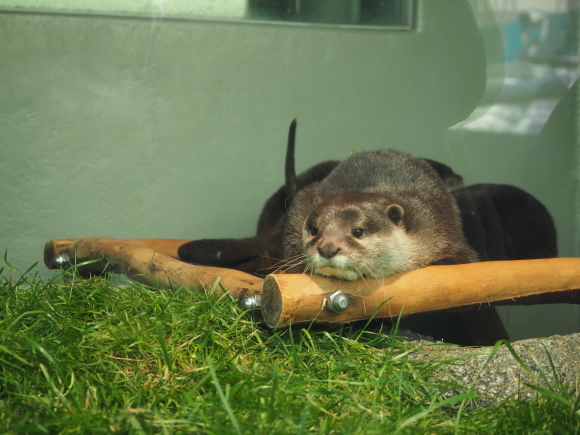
{"points": [[558, 357]]}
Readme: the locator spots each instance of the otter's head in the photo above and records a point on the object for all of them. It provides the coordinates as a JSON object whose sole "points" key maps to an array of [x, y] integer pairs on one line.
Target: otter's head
{"points": [[353, 234]]}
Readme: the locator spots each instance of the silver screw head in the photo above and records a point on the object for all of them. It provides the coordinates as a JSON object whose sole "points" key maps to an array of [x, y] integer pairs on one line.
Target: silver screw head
{"points": [[337, 302], [250, 302], [61, 260]]}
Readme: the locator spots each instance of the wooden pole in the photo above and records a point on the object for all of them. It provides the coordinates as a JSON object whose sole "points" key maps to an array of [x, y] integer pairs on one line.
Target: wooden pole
{"points": [[150, 266], [299, 298], [296, 298], [169, 247]]}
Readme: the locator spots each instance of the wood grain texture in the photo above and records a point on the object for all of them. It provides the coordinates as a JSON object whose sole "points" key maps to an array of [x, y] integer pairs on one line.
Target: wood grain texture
{"points": [[169, 247], [299, 298], [150, 266]]}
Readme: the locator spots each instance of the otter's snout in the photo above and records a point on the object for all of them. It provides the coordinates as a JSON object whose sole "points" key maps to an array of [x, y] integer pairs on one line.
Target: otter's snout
{"points": [[329, 250]]}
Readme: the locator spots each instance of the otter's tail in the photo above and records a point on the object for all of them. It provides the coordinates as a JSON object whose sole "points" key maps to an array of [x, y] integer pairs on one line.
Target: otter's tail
{"points": [[290, 185]]}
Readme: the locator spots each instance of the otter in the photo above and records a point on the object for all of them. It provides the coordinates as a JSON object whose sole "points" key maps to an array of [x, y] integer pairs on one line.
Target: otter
{"points": [[263, 253], [492, 223], [376, 214]]}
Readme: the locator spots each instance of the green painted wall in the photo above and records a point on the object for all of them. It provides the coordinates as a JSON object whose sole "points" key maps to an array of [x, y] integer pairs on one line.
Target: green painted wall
{"points": [[140, 127]]}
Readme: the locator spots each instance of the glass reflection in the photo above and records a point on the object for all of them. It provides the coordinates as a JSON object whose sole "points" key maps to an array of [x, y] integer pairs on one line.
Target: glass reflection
{"points": [[540, 57]]}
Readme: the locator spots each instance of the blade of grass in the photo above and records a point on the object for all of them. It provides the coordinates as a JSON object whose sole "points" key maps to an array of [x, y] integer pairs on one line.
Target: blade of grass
{"points": [[224, 399], [161, 341], [446, 402]]}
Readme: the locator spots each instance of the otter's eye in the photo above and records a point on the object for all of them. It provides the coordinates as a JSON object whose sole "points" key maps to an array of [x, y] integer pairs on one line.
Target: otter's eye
{"points": [[312, 229], [358, 233]]}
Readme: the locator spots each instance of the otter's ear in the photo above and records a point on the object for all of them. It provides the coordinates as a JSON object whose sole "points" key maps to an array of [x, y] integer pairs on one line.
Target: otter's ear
{"points": [[395, 213], [316, 200]]}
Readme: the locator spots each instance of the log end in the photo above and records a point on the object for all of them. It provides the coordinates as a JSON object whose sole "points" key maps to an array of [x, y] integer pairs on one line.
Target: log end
{"points": [[50, 254], [272, 304], [53, 253]]}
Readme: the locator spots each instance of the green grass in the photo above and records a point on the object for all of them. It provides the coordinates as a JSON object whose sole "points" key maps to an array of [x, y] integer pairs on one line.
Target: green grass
{"points": [[88, 357]]}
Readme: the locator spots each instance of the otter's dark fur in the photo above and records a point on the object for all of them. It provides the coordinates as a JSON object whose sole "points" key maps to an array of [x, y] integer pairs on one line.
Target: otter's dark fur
{"points": [[503, 222], [376, 214]]}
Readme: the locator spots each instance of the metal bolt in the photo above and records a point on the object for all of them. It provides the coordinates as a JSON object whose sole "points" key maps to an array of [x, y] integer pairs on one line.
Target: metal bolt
{"points": [[62, 260], [250, 302], [337, 302]]}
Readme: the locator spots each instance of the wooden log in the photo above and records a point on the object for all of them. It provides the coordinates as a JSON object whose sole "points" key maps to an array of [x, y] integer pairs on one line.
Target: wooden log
{"points": [[53, 248], [149, 266], [299, 298]]}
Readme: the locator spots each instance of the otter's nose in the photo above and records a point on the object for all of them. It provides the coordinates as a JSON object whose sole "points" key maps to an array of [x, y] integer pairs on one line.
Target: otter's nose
{"points": [[329, 250]]}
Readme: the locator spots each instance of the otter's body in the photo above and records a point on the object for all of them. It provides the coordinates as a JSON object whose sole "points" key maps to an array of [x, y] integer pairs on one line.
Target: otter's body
{"points": [[377, 213]]}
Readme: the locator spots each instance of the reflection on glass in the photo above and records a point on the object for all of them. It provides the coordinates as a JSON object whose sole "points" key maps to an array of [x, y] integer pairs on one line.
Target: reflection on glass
{"points": [[390, 13], [540, 57]]}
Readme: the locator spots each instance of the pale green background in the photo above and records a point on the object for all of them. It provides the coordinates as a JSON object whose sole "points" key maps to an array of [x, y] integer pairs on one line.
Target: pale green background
{"points": [[148, 127]]}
